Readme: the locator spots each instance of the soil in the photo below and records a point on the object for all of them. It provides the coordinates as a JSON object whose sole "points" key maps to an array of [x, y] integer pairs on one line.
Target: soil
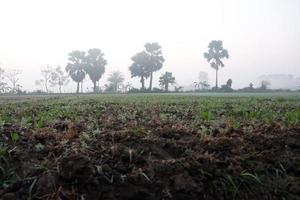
{"points": [[157, 161]]}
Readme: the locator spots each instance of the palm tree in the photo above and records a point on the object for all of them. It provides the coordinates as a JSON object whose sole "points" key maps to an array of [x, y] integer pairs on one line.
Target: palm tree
{"points": [[76, 66], [95, 67], [156, 59], [166, 79], [115, 80], [214, 56], [139, 67]]}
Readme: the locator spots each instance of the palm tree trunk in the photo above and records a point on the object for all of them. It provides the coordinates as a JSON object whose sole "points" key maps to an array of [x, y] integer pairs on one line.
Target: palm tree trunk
{"points": [[151, 77], [77, 90], [216, 79], [115, 88], [46, 86], [143, 82], [81, 86], [95, 85], [167, 87]]}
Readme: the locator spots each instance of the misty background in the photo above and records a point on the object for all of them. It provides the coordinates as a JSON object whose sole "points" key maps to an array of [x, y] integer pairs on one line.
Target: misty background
{"points": [[262, 37]]}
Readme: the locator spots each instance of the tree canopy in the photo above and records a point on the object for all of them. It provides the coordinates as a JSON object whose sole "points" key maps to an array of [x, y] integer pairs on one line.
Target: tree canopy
{"points": [[76, 67], [95, 65], [139, 67]]}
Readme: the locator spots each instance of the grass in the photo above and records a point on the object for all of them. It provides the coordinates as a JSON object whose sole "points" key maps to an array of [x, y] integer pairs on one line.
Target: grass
{"points": [[224, 140]]}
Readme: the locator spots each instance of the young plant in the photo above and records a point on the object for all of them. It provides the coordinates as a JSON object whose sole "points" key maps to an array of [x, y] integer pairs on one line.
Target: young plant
{"points": [[15, 137]]}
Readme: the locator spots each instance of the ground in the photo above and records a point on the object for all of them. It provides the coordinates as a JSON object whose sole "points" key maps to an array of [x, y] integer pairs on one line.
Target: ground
{"points": [[150, 147]]}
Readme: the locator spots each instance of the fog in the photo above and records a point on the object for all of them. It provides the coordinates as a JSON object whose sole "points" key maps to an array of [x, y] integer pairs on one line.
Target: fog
{"points": [[262, 36]]}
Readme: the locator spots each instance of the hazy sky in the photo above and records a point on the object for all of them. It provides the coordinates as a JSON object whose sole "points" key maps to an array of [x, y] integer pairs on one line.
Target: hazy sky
{"points": [[262, 36]]}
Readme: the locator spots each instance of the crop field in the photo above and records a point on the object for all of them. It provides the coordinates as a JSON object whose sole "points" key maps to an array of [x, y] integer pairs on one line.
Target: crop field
{"points": [[150, 147]]}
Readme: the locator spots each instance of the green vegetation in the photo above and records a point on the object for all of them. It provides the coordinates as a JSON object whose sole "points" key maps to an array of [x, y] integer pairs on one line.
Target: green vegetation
{"points": [[235, 147]]}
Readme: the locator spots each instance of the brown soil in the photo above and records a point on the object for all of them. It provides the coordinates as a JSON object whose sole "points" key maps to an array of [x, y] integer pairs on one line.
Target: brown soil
{"points": [[160, 161]]}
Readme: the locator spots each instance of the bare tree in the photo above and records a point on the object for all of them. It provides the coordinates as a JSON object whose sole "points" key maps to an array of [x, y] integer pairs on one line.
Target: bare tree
{"points": [[3, 86], [13, 77], [46, 77], [58, 78]]}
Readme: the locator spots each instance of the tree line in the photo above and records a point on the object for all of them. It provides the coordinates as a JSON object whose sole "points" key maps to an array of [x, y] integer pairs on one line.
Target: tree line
{"points": [[92, 63]]}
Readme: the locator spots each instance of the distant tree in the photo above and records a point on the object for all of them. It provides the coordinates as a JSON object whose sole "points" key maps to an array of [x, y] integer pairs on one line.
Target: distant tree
{"points": [[46, 77], [13, 76], [139, 67], [76, 67], [251, 85], [127, 87], [58, 78], [264, 84], [3, 86], [203, 85], [156, 59], [229, 83], [1, 74], [166, 79], [19, 89], [115, 80], [178, 89], [40, 84], [95, 67], [214, 56], [227, 86]]}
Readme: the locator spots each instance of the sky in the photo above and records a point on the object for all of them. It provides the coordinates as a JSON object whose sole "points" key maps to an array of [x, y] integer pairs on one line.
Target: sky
{"points": [[262, 36]]}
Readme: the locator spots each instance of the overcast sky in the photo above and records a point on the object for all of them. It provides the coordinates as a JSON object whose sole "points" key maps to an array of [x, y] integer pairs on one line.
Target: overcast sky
{"points": [[262, 36]]}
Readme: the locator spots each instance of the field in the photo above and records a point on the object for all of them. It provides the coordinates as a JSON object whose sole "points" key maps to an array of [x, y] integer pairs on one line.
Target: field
{"points": [[150, 147]]}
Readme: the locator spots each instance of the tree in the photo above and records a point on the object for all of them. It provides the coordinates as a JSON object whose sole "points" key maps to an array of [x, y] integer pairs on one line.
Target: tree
{"points": [[76, 67], [227, 86], [46, 77], [178, 89], [156, 60], [166, 79], [115, 80], [40, 84], [214, 56], [202, 84], [13, 77], [139, 67], [251, 85], [58, 78], [3, 85], [229, 83], [95, 67], [127, 87], [264, 84], [1, 74]]}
